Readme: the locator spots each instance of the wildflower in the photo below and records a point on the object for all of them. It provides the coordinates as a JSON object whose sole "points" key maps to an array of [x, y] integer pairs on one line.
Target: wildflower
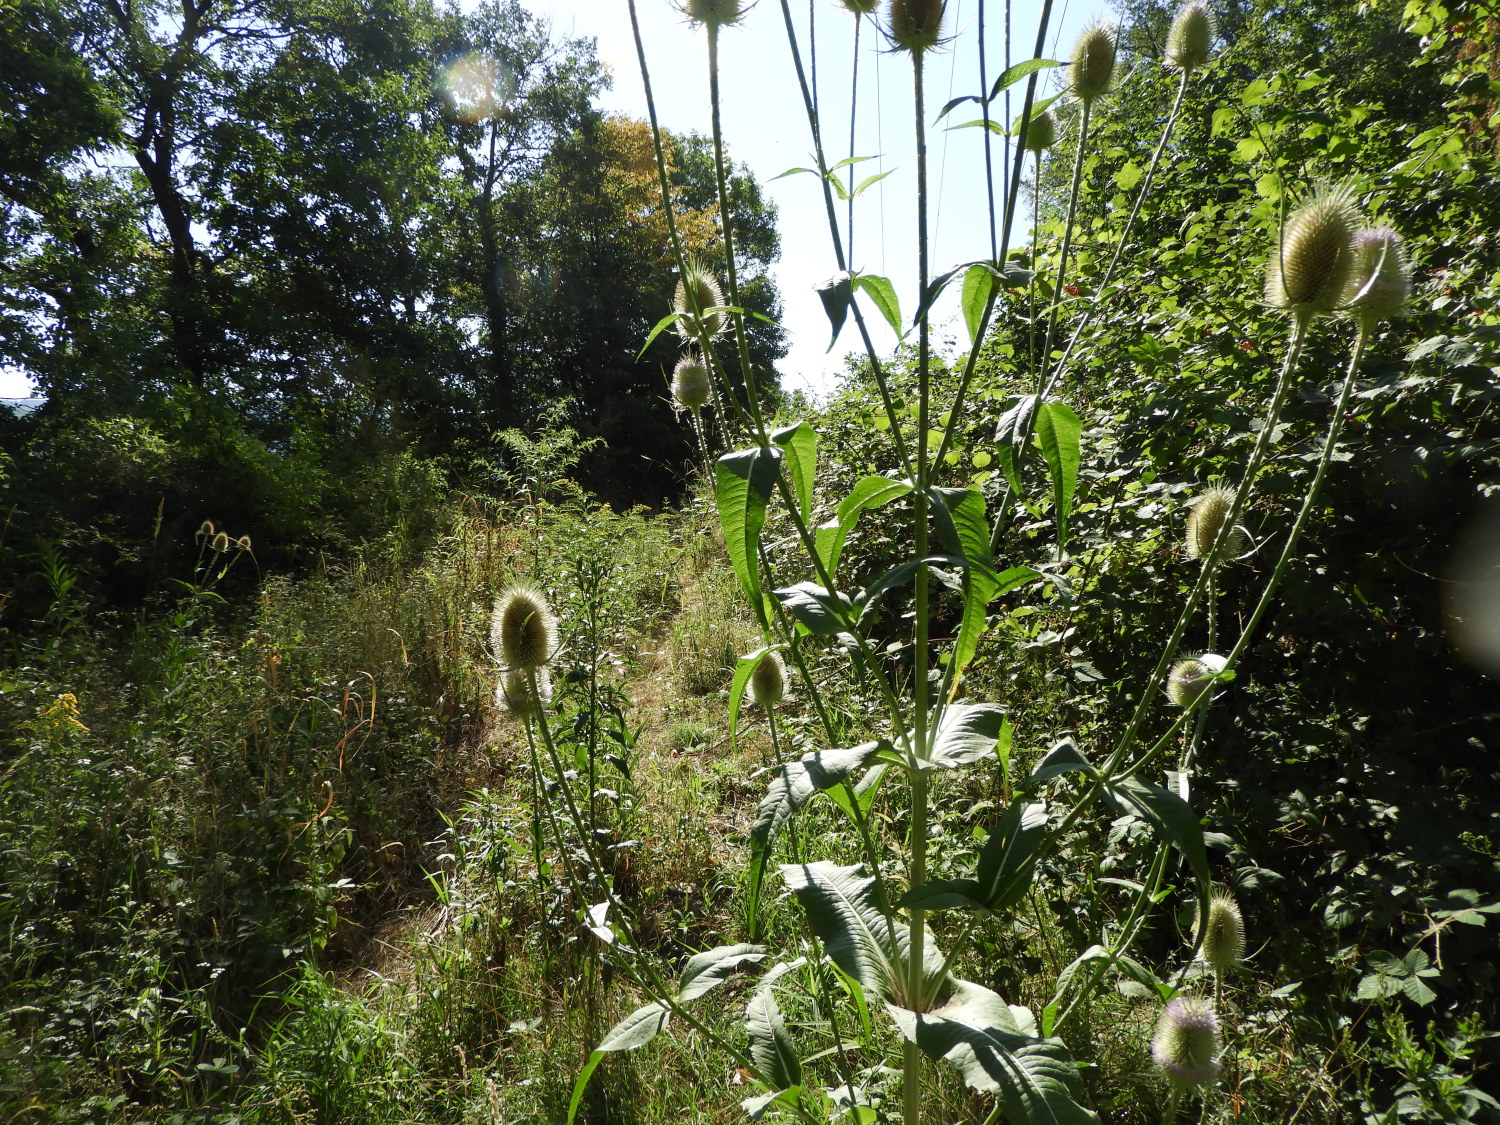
{"points": [[1309, 268], [714, 13], [697, 292], [1191, 39], [1187, 1043], [1380, 281], [1041, 133], [1205, 519], [917, 25], [1190, 678], [1093, 62], [768, 681], [514, 692], [1224, 940], [690, 382], [522, 629]]}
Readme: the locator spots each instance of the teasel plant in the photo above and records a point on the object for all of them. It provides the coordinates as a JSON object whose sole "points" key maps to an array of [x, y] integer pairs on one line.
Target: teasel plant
{"points": [[870, 918]]}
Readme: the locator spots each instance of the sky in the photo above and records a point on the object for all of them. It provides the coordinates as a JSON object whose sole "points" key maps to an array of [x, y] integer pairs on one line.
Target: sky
{"points": [[765, 128]]}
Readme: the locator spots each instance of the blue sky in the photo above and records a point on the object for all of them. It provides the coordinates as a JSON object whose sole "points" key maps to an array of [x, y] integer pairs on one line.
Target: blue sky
{"points": [[766, 127]]}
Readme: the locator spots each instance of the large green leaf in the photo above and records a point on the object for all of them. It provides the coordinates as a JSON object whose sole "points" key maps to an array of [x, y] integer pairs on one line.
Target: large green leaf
{"points": [[819, 611], [959, 516], [837, 294], [1174, 819], [636, 1029], [966, 733], [797, 781], [1010, 434], [1062, 758], [799, 444], [883, 293], [870, 492], [1014, 74], [1009, 857], [844, 910], [1059, 430], [792, 788], [711, 968], [996, 1050], [744, 482], [1127, 966], [772, 1052]]}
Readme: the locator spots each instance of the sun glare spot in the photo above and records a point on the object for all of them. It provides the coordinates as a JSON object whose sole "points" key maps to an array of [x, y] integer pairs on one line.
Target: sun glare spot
{"points": [[1473, 592], [478, 86]]}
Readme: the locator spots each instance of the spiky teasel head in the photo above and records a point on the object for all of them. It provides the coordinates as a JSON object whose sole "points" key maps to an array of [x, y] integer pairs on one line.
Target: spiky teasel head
{"points": [[1191, 677], [1205, 519], [917, 25], [1093, 63], [697, 292], [1224, 939], [690, 382], [714, 13], [1190, 41], [1187, 1043], [1310, 265], [860, 7], [1380, 282], [523, 631], [220, 542], [1041, 132], [514, 692], [768, 681]]}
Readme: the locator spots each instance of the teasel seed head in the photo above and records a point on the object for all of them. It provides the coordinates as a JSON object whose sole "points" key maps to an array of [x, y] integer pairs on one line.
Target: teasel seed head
{"points": [[1380, 282], [220, 542], [1093, 63], [205, 530], [1187, 1043], [1190, 41], [714, 13], [706, 293], [860, 7], [1191, 677], [1224, 940], [1309, 268], [1205, 518], [514, 693], [243, 542], [768, 681], [917, 25], [523, 631], [690, 382], [1041, 133]]}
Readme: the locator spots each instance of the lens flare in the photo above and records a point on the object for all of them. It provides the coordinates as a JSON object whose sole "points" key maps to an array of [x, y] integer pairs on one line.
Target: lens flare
{"points": [[1473, 591], [478, 87]]}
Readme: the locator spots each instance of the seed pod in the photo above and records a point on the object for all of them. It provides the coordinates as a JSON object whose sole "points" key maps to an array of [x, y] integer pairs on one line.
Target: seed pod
{"points": [[1187, 1043], [514, 693], [714, 13], [1207, 516], [768, 681], [1380, 282], [860, 7], [243, 542], [220, 542], [706, 294], [1190, 678], [1224, 940], [1041, 133], [1190, 41], [917, 25], [690, 382], [1309, 268], [205, 530], [1093, 63], [523, 631]]}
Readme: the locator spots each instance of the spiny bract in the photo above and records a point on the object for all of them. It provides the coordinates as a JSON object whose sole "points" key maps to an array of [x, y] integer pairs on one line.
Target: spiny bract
{"points": [[697, 292], [1190, 41], [690, 383], [1309, 268], [523, 631], [1093, 63], [714, 13], [1187, 1043], [1380, 282], [917, 25]]}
